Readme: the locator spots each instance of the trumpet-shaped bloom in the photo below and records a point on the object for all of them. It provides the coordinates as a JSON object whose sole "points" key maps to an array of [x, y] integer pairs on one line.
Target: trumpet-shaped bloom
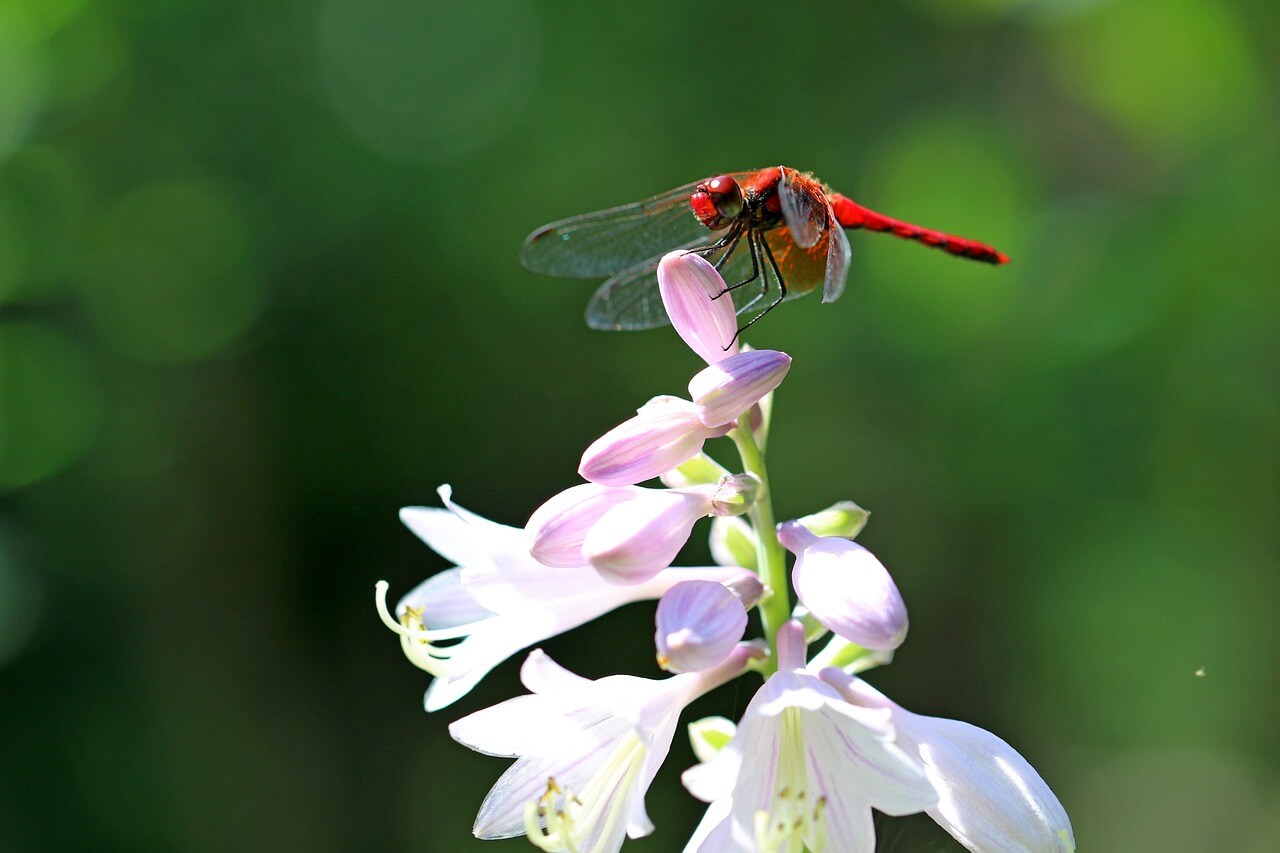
{"points": [[665, 432], [805, 767], [846, 588], [989, 797], [464, 621], [700, 622], [586, 752], [699, 306]]}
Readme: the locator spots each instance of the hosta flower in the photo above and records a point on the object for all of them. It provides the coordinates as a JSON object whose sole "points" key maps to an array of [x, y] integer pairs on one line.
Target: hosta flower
{"points": [[557, 529], [700, 309], [805, 767], [725, 390], [700, 622], [634, 540], [665, 432], [989, 797], [464, 621], [846, 588], [586, 752]]}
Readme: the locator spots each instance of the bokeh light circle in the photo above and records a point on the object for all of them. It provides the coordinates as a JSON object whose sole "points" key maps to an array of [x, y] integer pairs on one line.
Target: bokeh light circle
{"points": [[428, 82], [1174, 77], [50, 403], [172, 275]]}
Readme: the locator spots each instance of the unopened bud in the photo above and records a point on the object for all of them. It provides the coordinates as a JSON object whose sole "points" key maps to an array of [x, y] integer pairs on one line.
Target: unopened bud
{"points": [[635, 540], [698, 624], [846, 588], [557, 529], [710, 735], [734, 494], [844, 519], [733, 542], [657, 439], [727, 389], [698, 471], [701, 312]]}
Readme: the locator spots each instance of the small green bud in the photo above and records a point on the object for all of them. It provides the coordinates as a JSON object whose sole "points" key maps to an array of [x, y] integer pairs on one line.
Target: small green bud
{"points": [[733, 542], [734, 495], [852, 658], [844, 519], [710, 735], [698, 471]]}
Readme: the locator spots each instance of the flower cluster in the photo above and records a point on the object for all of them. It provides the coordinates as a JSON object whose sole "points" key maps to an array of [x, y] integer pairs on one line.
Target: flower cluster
{"points": [[817, 748]]}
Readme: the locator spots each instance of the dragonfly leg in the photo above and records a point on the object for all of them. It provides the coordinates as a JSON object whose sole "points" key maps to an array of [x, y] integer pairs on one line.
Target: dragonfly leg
{"points": [[755, 267], [729, 237], [782, 288], [733, 245]]}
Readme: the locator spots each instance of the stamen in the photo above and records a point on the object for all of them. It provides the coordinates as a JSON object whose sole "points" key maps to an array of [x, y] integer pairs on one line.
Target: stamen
{"points": [[594, 813], [436, 634], [416, 641], [792, 823]]}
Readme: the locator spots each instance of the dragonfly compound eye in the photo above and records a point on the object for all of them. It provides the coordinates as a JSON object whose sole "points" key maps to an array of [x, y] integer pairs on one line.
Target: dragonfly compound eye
{"points": [[726, 195]]}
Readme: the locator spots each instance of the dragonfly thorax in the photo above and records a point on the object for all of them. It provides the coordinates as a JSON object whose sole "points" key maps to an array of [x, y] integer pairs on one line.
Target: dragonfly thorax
{"points": [[722, 202]]}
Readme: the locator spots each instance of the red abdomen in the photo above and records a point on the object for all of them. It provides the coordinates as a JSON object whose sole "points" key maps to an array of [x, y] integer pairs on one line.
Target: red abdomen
{"points": [[851, 215]]}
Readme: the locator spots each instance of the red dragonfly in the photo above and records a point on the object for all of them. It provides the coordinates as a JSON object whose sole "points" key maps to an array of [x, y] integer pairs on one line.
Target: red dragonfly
{"points": [[785, 218]]}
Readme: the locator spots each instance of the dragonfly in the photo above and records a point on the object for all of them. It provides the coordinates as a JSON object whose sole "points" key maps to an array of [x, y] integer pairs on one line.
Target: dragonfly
{"points": [[775, 234]]}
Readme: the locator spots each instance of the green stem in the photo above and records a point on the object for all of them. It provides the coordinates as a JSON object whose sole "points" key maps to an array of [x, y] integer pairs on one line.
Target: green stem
{"points": [[771, 564]]}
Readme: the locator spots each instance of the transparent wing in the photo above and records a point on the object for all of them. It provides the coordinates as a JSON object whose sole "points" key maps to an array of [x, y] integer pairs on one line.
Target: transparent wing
{"points": [[631, 300], [615, 240], [804, 207], [838, 254]]}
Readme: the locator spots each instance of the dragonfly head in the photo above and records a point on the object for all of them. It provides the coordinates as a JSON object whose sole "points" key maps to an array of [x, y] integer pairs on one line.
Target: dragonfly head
{"points": [[717, 202]]}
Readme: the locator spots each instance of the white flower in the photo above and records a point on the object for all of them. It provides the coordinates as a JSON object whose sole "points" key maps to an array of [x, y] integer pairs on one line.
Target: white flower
{"points": [[461, 623], [989, 797], [586, 752], [804, 769]]}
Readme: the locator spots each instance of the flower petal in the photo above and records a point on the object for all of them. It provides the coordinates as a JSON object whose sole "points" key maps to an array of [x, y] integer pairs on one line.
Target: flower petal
{"points": [[698, 304], [556, 529], [698, 624], [444, 602], [714, 833], [656, 440], [991, 798], [634, 541], [541, 674], [725, 390], [847, 589]]}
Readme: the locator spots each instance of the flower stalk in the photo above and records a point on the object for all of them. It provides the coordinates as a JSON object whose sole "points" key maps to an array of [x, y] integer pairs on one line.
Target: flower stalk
{"points": [[771, 564]]}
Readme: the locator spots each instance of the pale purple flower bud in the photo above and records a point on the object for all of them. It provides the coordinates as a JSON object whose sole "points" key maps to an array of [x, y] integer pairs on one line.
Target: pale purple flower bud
{"points": [[556, 529], [846, 588], [726, 390], [661, 436], [635, 540], [698, 624], [708, 325]]}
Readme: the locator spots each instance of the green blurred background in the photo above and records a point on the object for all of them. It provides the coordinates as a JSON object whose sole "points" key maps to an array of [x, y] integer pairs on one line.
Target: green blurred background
{"points": [[259, 289]]}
